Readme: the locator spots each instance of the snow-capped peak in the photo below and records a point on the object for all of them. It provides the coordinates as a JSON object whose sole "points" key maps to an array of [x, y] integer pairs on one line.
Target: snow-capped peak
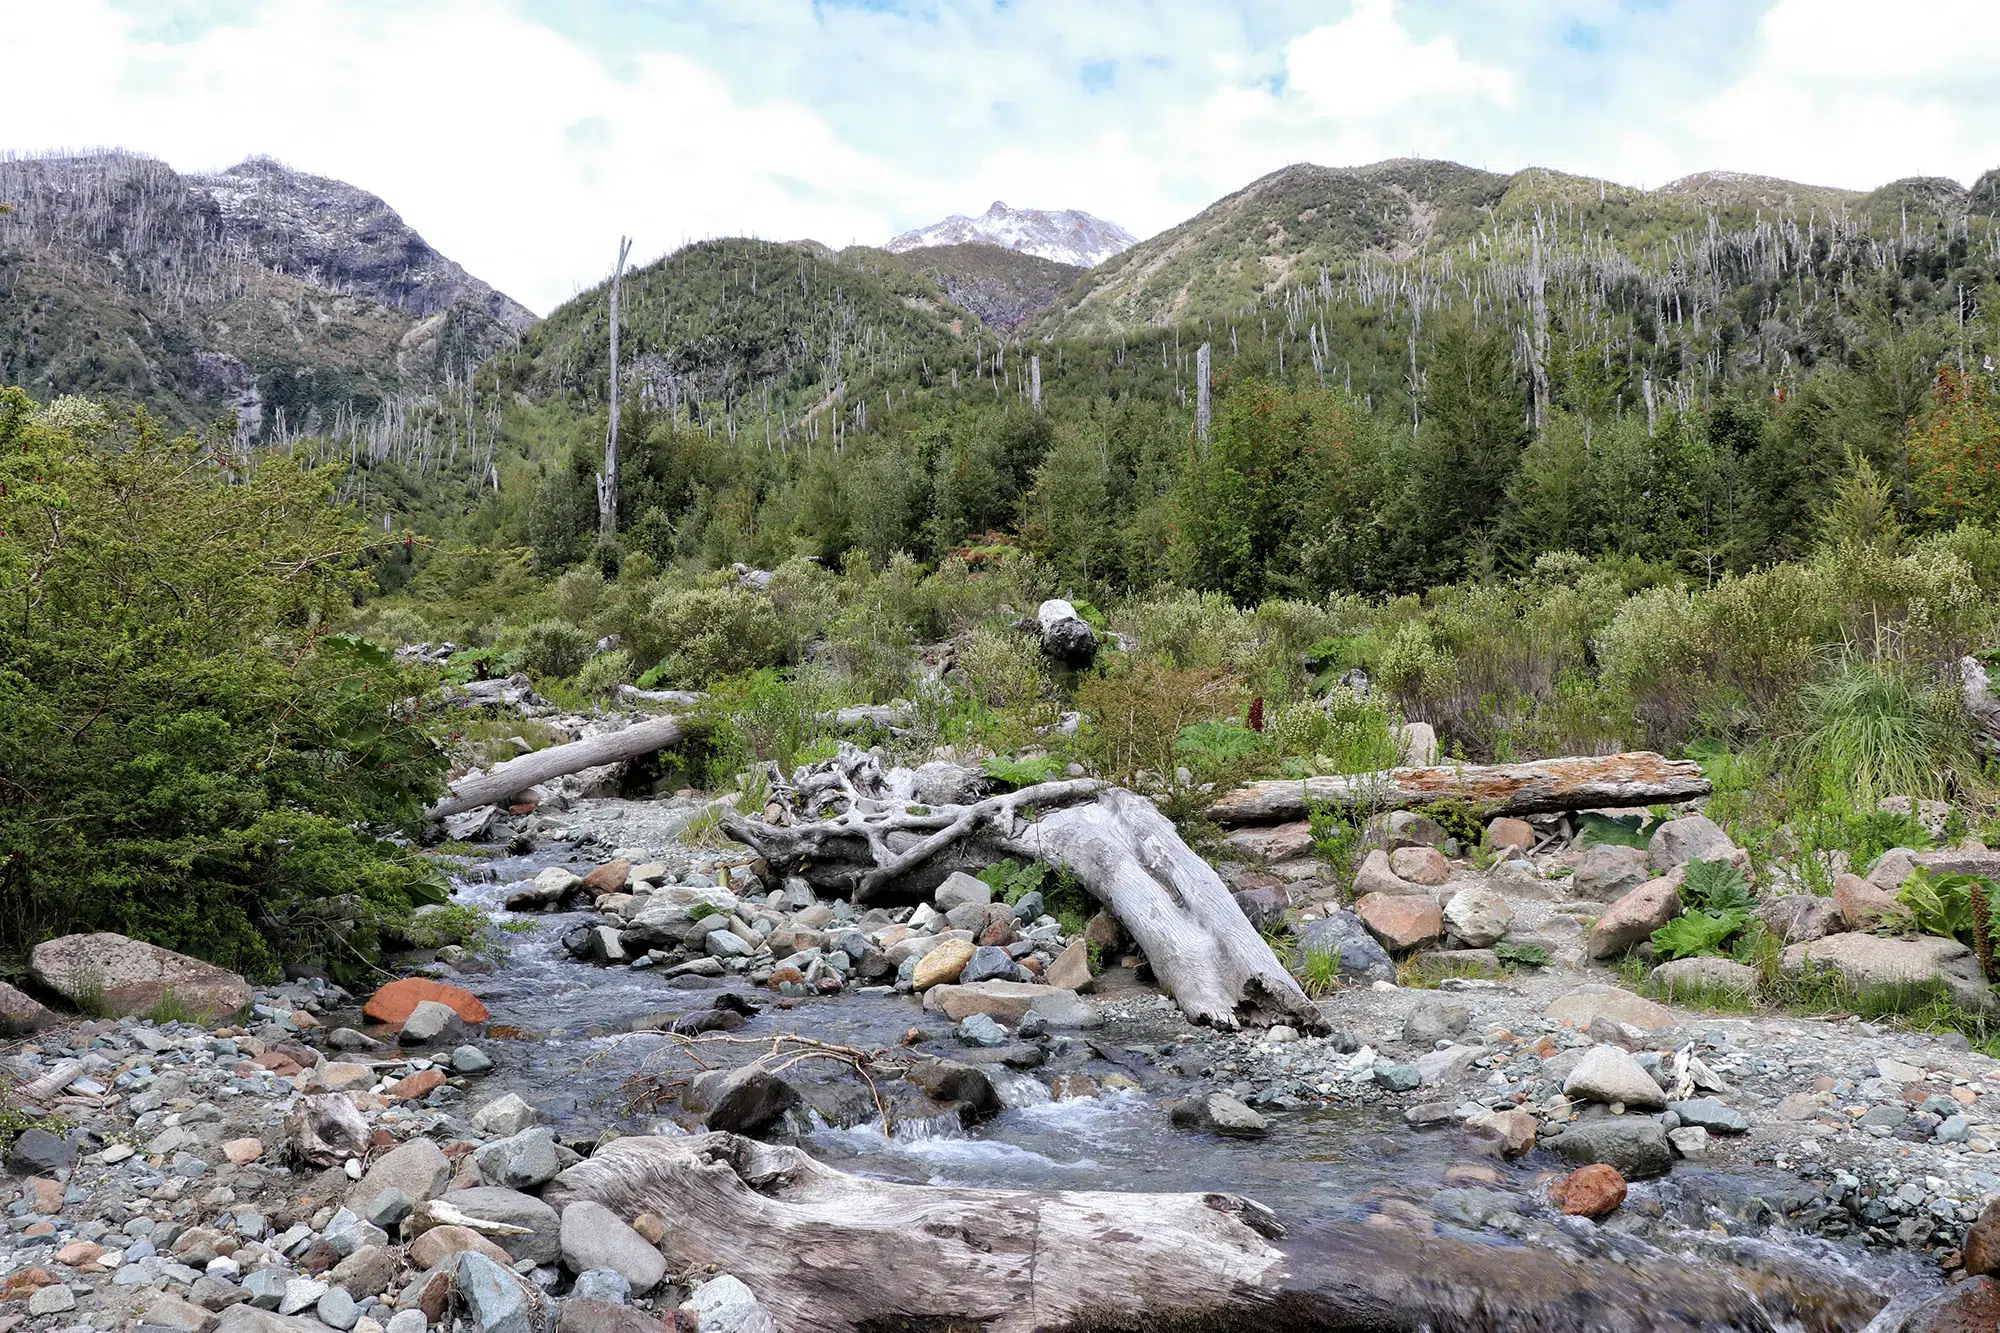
{"points": [[1067, 237]]}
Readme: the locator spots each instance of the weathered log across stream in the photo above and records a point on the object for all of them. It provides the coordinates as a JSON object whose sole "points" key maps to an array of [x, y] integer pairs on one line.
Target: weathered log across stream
{"points": [[1537, 787], [826, 1250]]}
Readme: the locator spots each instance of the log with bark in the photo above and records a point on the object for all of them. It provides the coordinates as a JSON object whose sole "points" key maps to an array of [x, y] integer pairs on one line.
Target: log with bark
{"points": [[860, 832], [1540, 786], [837, 1253], [509, 779]]}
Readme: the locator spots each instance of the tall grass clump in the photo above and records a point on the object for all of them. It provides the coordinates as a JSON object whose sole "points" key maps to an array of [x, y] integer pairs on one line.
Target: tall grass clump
{"points": [[1870, 731]]}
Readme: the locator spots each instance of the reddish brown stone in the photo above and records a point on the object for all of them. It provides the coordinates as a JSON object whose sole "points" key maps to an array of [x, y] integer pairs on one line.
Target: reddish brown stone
{"points": [[1401, 922], [281, 1065], [1590, 1191], [611, 877], [24, 1282], [999, 933], [394, 1002], [786, 975], [417, 1085], [1971, 1306], [1982, 1242]]}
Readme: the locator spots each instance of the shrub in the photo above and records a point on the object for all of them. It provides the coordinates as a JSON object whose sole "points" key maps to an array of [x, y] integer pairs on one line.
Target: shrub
{"points": [[1137, 712], [578, 593], [705, 634], [187, 757], [553, 648], [603, 674]]}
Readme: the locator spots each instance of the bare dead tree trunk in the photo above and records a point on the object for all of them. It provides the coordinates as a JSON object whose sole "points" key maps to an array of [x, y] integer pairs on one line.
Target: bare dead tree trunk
{"points": [[877, 839], [1035, 380], [517, 775], [1540, 786], [838, 1253], [607, 481], [1201, 402]]}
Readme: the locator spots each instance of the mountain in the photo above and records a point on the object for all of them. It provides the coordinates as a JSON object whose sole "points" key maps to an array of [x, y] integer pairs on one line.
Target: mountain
{"points": [[345, 239], [1067, 237], [287, 302], [1004, 288]]}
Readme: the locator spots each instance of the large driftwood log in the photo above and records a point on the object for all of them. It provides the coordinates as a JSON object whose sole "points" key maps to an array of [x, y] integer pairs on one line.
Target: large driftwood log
{"points": [[837, 1253], [861, 833], [517, 775], [1540, 786]]}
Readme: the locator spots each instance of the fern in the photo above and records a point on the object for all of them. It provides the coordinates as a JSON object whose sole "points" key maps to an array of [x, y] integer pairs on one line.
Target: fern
{"points": [[1011, 881], [1217, 742], [1017, 773]]}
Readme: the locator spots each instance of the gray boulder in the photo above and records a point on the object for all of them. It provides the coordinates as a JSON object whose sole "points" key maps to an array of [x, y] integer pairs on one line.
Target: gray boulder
{"points": [[594, 1237], [540, 1240], [1689, 838], [418, 1170], [960, 889], [1606, 873], [521, 1161], [432, 1023], [1066, 636], [1635, 1145], [1341, 935], [1220, 1113], [495, 1297]]}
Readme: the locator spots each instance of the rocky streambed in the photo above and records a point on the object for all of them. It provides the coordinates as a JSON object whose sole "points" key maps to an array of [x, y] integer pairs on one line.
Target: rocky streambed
{"points": [[1538, 1147]]}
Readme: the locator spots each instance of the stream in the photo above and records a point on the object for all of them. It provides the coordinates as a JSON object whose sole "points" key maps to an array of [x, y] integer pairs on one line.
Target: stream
{"points": [[560, 1034]]}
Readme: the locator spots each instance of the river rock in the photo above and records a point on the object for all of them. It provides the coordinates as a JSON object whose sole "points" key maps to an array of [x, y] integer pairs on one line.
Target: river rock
{"points": [[495, 1297], [1586, 1004], [1633, 918], [601, 1284], [1891, 868], [587, 1314], [431, 1023], [1689, 838], [418, 1170], [1512, 1132], [1507, 834], [394, 1003], [36, 1152], [366, 1272], [1416, 745], [1220, 1113], [1401, 923], [748, 1100], [1971, 1306], [1059, 1008], [1341, 935], [1608, 1074], [1281, 842], [1071, 968], [1609, 872], [1590, 1191], [724, 1305], [942, 965], [326, 1129], [979, 1030], [960, 890], [504, 1115], [988, 963], [1066, 636], [1375, 876], [1866, 961], [541, 1241], [1691, 976], [1636, 1145], [1981, 1252], [523, 1161], [1419, 865], [1478, 916], [593, 1236], [1799, 917], [963, 1084], [1435, 1019], [121, 976], [1864, 906], [611, 877], [1709, 1114], [440, 1244], [21, 1014], [1007, 1001]]}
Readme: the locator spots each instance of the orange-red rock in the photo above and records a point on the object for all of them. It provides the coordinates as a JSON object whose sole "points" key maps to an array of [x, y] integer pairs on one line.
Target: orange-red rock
{"points": [[607, 878], [1590, 1191], [393, 1003], [417, 1085]]}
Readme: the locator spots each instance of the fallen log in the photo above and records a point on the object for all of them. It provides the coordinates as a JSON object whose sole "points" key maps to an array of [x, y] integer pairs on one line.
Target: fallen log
{"points": [[825, 1250], [876, 844], [1982, 710], [1540, 786], [517, 775]]}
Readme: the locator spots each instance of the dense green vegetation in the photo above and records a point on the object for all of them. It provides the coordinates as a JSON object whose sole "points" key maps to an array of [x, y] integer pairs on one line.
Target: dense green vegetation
{"points": [[187, 754]]}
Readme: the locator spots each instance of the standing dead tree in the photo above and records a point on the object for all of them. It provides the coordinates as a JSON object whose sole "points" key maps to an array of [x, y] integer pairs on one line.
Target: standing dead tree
{"points": [[852, 828], [607, 481]]}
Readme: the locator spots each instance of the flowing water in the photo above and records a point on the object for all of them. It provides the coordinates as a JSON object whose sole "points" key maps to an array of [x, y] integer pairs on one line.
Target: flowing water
{"points": [[567, 1046]]}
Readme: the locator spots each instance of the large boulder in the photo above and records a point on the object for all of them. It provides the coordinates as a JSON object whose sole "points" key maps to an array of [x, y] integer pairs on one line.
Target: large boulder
{"points": [[1066, 636], [1005, 1001], [1401, 923], [1635, 1145], [1798, 917], [960, 889], [1586, 1004], [1479, 916], [1634, 918], [529, 1228], [1375, 876], [1877, 962], [22, 1014], [394, 1003], [418, 1168], [1342, 936], [593, 1236], [1416, 745], [1609, 1075], [1864, 906], [1693, 976], [121, 976], [1689, 838], [1424, 866], [748, 1100], [1609, 872]]}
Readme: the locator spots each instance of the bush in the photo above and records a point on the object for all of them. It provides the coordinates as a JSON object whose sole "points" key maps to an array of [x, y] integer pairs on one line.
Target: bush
{"points": [[553, 648], [187, 757], [704, 634], [603, 674], [1869, 732], [1136, 715]]}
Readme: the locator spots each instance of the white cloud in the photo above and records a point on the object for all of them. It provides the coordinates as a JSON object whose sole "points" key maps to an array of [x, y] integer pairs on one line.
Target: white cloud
{"points": [[1367, 64], [512, 149]]}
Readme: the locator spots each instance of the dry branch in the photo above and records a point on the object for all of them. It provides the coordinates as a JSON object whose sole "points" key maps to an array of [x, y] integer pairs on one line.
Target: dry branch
{"points": [[517, 775]]}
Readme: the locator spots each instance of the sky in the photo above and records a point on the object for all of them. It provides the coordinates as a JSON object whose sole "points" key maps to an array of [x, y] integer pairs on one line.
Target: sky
{"points": [[523, 137]]}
